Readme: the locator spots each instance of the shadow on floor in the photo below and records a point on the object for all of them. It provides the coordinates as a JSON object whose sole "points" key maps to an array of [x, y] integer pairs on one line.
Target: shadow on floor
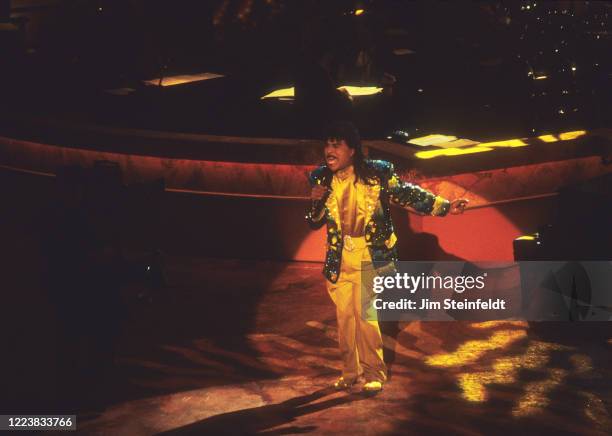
{"points": [[258, 420]]}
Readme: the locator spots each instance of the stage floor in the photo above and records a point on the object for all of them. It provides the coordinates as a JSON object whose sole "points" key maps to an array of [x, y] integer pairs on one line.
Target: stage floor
{"points": [[233, 346], [249, 347]]}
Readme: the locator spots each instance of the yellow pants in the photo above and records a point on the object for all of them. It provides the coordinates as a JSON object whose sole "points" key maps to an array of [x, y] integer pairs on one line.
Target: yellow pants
{"points": [[360, 341]]}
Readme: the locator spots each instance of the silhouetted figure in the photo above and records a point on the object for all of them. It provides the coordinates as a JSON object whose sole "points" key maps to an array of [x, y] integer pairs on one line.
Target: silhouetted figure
{"points": [[318, 101], [85, 270]]}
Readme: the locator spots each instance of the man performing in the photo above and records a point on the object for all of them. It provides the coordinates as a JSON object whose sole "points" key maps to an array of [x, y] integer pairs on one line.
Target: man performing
{"points": [[352, 196]]}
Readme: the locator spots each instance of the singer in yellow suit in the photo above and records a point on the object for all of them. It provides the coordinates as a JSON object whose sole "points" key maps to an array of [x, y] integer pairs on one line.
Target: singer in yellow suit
{"points": [[351, 195]]}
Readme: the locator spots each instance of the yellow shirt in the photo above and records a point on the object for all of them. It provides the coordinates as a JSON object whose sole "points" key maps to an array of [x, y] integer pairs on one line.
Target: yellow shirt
{"points": [[351, 202]]}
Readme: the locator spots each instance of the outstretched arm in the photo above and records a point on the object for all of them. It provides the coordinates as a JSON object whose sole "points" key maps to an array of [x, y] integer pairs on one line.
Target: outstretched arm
{"points": [[413, 196]]}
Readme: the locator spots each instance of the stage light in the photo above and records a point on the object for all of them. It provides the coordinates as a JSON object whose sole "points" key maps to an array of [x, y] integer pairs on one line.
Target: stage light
{"points": [[489, 146], [542, 77], [181, 79], [525, 238], [472, 350], [498, 323], [359, 12], [506, 143], [354, 91], [571, 135], [433, 139], [546, 138], [505, 371], [281, 93], [536, 393], [453, 151]]}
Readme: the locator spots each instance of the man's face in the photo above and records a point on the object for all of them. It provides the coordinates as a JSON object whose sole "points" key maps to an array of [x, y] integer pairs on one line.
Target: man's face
{"points": [[338, 155]]}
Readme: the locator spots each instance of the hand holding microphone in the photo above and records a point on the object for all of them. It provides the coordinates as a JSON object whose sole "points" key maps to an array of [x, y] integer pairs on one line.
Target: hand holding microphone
{"points": [[319, 193]]}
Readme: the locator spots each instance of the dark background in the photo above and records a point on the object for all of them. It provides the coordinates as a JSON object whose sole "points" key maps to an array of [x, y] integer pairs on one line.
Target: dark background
{"points": [[469, 71]]}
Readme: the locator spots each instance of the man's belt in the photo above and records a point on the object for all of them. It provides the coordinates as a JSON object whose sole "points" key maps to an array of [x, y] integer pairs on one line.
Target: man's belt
{"points": [[354, 242]]}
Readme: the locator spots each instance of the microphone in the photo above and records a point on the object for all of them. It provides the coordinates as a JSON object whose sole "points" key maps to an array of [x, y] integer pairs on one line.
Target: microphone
{"points": [[317, 205]]}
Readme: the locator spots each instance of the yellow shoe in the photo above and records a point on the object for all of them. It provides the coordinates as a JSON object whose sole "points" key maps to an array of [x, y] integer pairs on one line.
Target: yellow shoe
{"points": [[342, 383], [372, 387]]}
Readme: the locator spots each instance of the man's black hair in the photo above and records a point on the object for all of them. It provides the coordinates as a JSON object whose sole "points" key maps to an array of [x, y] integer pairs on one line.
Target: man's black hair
{"points": [[347, 131], [344, 130]]}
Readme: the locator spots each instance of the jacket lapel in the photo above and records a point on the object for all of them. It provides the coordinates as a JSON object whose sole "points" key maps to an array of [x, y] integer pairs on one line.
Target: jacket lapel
{"points": [[332, 207]]}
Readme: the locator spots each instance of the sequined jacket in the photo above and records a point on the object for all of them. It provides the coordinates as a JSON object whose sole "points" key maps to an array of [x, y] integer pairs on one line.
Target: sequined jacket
{"points": [[386, 188]]}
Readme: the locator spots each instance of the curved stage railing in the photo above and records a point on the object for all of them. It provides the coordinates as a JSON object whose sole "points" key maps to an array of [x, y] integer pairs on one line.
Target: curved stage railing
{"points": [[245, 197]]}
